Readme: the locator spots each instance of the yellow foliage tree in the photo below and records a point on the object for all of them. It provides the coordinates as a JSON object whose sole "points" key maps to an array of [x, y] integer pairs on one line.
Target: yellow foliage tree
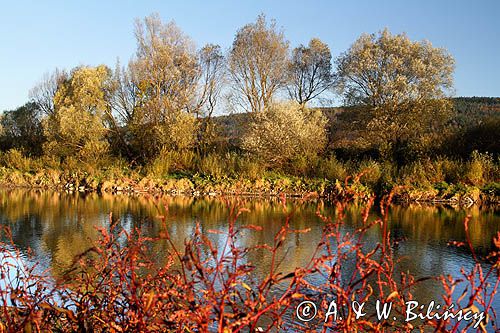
{"points": [[258, 63], [77, 126], [402, 84], [165, 73]]}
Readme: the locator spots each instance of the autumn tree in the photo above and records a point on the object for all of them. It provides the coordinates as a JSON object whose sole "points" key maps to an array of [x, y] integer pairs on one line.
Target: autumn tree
{"points": [[43, 93], [211, 80], [257, 63], [124, 94], [285, 131], [165, 73], [78, 125], [402, 84], [211, 72], [123, 98], [22, 129], [310, 71]]}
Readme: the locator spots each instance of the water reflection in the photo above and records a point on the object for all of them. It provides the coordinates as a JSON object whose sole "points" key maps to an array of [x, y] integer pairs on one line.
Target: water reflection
{"points": [[58, 226]]}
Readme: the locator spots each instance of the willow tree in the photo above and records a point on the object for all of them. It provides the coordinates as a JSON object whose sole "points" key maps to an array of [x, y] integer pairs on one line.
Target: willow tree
{"points": [[165, 71], [211, 79], [258, 63], [310, 71], [42, 94], [77, 126], [402, 84], [123, 100]]}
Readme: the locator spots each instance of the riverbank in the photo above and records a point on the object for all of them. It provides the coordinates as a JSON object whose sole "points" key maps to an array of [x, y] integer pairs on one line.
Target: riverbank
{"points": [[270, 184]]}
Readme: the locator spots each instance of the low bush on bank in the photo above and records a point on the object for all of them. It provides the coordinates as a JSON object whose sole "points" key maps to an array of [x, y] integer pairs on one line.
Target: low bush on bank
{"points": [[286, 132], [120, 285], [441, 178]]}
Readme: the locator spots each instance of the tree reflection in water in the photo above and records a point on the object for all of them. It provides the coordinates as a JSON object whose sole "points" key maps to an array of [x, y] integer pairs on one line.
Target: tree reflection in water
{"points": [[59, 226]]}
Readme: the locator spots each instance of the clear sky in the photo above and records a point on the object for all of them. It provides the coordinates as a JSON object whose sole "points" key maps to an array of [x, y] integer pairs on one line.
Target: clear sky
{"points": [[38, 36]]}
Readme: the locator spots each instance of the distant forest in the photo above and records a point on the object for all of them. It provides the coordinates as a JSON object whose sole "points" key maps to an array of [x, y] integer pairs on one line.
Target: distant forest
{"points": [[473, 125]]}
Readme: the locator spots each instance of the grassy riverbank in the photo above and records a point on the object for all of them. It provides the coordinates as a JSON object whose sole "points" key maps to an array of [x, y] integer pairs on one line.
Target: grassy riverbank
{"points": [[458, 181]]}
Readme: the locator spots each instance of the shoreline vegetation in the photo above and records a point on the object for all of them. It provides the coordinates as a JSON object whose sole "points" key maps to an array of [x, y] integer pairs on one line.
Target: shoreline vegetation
{"points": [[155, 124], [474, 184]]}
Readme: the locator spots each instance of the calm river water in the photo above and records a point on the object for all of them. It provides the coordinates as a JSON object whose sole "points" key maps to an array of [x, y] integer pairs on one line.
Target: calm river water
{"points": [[58, 226]]}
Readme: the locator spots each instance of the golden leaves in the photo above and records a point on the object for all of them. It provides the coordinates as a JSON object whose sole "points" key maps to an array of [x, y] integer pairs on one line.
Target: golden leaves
{"points": [[285, 131]]}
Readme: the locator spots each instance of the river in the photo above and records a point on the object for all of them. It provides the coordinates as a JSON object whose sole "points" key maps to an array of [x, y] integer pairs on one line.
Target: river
{"points": [[57, 226]]}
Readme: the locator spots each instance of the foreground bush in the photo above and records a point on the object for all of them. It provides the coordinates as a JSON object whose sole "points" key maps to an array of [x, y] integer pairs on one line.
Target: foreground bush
{"points": [[119, 285]]}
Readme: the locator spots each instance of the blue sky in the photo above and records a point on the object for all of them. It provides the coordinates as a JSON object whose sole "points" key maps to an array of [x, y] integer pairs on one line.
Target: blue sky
{"points": [[38, 36]]}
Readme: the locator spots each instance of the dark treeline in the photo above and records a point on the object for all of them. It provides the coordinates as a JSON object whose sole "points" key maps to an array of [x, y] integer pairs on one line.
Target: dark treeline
{"points": [[159, 112], [473, 125]]}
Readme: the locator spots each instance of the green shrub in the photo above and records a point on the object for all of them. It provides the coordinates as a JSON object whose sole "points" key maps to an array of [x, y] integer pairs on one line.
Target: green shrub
{"points": [[250, 168], [415, 174], [453, 170], [441, 186], [176, 133], [161, 166], [171, 161], [304, 165], [116, 168], [492, 188], [232, 163], [183, 160]]}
